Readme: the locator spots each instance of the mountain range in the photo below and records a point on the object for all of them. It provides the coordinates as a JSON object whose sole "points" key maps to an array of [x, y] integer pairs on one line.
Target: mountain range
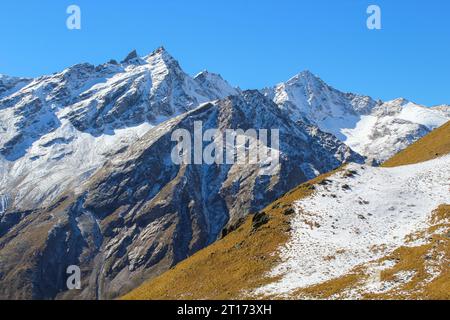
{"points": [[87, 178]]}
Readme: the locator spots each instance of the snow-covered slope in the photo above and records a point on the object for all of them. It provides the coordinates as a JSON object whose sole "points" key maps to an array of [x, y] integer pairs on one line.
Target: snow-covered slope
{"points": [[374, 129], [357, 216]]}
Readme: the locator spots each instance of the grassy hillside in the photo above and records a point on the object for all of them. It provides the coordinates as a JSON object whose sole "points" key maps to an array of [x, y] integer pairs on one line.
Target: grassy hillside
{"points": [[433, 145], [239, 262], [428, 262], [236, 262]]}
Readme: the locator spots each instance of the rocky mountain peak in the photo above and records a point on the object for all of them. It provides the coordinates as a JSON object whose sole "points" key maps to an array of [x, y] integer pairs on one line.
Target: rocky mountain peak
{"points": [[398, 102], [161, 55], [306, 77], [131, 56], [205, 74]]}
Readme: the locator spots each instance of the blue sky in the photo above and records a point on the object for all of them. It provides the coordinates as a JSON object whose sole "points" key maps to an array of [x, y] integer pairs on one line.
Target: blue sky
{"points": [[251, 43]]}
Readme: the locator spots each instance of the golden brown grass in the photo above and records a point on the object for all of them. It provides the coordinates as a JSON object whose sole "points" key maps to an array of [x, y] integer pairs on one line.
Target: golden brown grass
{"points": [[416, 259], [232, 265], [433, 145]]}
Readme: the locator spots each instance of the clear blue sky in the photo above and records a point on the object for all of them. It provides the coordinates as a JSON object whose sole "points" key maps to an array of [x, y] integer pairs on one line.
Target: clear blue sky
{"points": [[251, 43]]}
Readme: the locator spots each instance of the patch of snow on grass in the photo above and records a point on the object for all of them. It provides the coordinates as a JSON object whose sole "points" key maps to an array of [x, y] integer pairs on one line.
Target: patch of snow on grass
{"points": [[342, 224]]}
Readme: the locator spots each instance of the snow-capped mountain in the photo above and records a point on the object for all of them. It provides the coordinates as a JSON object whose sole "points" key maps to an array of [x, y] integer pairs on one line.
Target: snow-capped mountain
{"points": [[57, 130], [140, 213], [87, 177], [374, 129], [72, 121]]}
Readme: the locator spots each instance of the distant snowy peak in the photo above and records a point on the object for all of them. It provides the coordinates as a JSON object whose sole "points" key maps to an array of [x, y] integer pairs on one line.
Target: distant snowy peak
{"points": [[153, 88], [409, 111], [306, 78], [372, 128], [444, 108], [131, 57], [307, 97], [9, 79], [391, 127]]}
